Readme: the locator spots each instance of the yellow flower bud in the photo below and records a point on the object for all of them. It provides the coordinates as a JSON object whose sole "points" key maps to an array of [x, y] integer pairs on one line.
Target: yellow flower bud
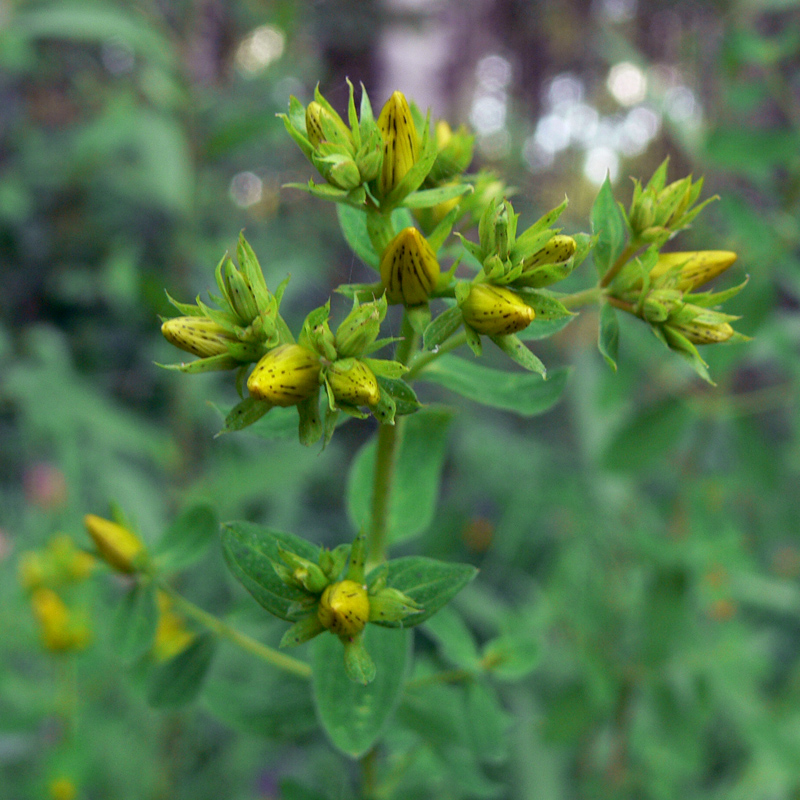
{"points": [[495, 311], [286, 375], [705, 333], [59, 633], [409, 269], [62, 789], [198, 335], [172, 637], [696, 268], [559, 249], [323, 126], [119, 547], [354, 384], [344, 608], [400, 142]]}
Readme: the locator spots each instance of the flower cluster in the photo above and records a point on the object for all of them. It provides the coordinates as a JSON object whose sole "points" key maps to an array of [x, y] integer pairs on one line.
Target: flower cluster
{"points": [[338, 598]]}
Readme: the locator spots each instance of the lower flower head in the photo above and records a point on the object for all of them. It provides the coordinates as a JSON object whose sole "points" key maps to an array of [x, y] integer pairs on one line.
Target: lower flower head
{"points": [[344, 608], [286, 375], [354, 384]]}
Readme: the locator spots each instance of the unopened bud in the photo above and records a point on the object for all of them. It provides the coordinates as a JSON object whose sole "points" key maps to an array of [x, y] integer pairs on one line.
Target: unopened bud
{"points": [[705, 333], [285, 376], [197, 335], [696, 268], [344, 608], [172, 636], [495, 311], [391, 605], [323, 126], [558, 250], [119, 547], [59, 631], [400, 142], [409, 269], [354, 383], [360, 328]]}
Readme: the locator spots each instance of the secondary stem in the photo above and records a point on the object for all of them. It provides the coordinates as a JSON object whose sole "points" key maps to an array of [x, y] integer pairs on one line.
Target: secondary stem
{"points": [[389, 437], [624, 257], [217, 626]]}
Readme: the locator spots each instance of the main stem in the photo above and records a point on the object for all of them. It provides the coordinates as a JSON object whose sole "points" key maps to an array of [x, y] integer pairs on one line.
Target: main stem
{"points": [[217, 626], [389, 437]]}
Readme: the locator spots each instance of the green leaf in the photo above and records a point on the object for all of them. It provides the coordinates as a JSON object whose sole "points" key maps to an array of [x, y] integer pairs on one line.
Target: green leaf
{"points": [[425, 198], [354, 716], [608, 225], [135, 622], [543, 328], [244, 414], [249, 552], [647, 437], [525, 393], [179, 680], [403, 396], [353, 223], [187, 538], [454, 639], [608, 335], [431, 584], [512, 656], [417, 476], [488, 723]]}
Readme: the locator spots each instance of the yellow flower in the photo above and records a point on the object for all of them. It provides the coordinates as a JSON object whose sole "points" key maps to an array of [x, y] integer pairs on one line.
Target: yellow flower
{"points": [[119, 547], [286, 375], [409, 269], [400, 142], [495, 311], [355, 383], [197, 335], [696, 268], [344, 608]]}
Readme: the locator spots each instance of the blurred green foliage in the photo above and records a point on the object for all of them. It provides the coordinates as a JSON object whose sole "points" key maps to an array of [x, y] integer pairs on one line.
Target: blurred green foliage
{"points": [[640, 569]]}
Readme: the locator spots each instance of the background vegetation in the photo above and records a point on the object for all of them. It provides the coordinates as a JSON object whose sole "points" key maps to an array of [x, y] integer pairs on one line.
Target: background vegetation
{"points": [[643, 534]]}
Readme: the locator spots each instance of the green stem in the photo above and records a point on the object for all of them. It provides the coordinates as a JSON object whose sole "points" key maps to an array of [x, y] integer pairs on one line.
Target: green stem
{"points": [[423, 359], [389, 437], [587, 297], [625, 256], [445, 676], [221, 629]]}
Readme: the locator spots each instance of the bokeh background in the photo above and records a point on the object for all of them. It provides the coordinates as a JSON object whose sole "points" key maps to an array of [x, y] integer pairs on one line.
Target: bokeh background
{"points": [[644, 532]]}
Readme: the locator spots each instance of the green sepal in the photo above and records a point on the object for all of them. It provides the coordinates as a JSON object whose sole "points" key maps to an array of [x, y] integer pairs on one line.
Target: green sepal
{"points": [[546, 275], [442, 327], [391, 605], [325, 191], [547, 306], [357, 290], [186, 309], [473, 340], [473, 249], [305, 573], [358, 663], [526, 242], [244, 414], [679, 344], [427, 583], [298, 134], [401, 394], [332, 562], [302, 631], [310, 425], [329, 424], [357, 559], [706, 299], [384, 368], [385, 409], [218, 363], [515, 349], [440, 233]]}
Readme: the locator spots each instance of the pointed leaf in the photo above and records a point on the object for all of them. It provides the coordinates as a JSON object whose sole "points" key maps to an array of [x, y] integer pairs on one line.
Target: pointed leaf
{"points": [[608, 225], [608, 335], [526, 394], [355, 716]]}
